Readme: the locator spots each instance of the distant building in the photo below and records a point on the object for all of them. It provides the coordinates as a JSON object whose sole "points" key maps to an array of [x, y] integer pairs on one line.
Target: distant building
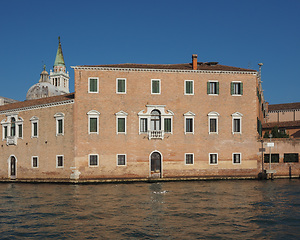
{"points": [[57, 84], [4, 101], [286, 117]]}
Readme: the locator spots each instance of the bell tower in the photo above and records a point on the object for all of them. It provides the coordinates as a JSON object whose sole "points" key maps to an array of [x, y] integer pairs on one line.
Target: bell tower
{"points": [[59, 77]]}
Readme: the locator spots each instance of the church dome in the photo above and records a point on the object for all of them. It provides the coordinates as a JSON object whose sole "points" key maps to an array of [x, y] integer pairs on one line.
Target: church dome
{"points": [[41, 90]]}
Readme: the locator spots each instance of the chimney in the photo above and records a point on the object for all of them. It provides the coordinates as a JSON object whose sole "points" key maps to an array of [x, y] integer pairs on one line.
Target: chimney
{"points": [[194, 57]]}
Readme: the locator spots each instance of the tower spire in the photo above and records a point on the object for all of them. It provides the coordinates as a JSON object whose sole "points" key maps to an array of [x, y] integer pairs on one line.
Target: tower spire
{"points": [[59, 59], [59, 77]]}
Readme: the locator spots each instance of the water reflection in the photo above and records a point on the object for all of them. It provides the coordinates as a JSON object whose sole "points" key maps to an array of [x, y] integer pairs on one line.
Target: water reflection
{"points": [[175, 210]]}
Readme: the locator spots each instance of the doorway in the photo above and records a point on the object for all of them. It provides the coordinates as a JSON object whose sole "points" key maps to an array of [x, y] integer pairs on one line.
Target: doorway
{"points": [[155, 160], [13, 169]]}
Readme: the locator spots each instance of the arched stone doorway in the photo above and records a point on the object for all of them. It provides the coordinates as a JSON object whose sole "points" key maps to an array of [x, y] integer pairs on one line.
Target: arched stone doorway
{"points": [[156, 164], [12, 167]]}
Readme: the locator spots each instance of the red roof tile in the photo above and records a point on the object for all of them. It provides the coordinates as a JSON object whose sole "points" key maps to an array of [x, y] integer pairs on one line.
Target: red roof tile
{"points": [[35, 102], [289, 124], [284, 106], [184, 66]]}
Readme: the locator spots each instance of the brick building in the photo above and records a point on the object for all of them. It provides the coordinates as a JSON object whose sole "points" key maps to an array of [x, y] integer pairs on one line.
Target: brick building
{"points": [[284, 118], [137, 121]]}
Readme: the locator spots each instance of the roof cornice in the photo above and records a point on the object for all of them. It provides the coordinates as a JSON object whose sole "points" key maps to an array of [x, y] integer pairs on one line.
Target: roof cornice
{"points": [[33, 107], [161, 70]]}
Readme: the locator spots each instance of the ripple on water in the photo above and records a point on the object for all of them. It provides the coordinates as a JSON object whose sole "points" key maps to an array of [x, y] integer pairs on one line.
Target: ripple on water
{"points": [[178, 210]]}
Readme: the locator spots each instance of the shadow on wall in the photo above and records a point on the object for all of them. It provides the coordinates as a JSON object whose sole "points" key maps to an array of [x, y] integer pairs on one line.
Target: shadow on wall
{"points": [[296, 134]]}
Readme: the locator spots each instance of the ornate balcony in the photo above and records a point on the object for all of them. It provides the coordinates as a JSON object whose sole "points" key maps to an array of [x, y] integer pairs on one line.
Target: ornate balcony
{"points": [[11, 140], [156, 134]]}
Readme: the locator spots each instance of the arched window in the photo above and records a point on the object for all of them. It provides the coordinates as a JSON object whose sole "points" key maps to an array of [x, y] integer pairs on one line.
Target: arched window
{"points": [[155, 120], [13, 127]]}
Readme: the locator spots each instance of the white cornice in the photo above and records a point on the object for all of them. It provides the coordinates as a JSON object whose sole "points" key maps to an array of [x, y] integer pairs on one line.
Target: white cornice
{"points": [[284, 110], [161, 70], [46, 105]]}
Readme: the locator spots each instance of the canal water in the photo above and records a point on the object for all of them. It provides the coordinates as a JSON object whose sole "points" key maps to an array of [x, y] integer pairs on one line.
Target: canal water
{"points": [[234, 209]]}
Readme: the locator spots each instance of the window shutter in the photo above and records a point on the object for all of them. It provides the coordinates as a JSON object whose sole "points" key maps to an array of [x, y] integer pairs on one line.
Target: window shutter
{"points": [[155, 86], [231, 88], [167, 124], [241, 88], [121, 125], [93, 124], [208, 88], [20, 130], [217, 88]]}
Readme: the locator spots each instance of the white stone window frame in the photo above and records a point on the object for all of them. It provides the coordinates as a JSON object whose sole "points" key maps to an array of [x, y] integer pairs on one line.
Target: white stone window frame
{"points": [[213, 115], [89, 90], [239, 116], [34, 120], [209, 159], [240, 158], [37, 161], [185, 156], [189, 115], [152, 80], [7, 123], [234, 94], [117, 156], [117, 81], [93, 114], [163, 114], [60, 116], [89, 159], [63, 161], [121, 114], [18, 123], [4, 124], [185, 93], [213, 81]]}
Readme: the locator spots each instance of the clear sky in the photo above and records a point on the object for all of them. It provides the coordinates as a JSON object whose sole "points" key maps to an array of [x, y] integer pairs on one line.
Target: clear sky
{"points": [[240, 33]]}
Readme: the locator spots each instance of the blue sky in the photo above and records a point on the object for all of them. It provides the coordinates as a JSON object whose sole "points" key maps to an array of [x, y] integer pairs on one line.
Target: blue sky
{"points": [[232, 32]]}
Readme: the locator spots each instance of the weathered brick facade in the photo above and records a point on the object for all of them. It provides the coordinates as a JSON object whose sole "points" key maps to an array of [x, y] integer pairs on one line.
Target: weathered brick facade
{"points": [[165, 131]]}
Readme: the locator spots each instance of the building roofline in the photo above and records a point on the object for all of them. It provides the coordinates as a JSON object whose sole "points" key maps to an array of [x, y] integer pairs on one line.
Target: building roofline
{"points": [[38, 103], [128, 69]]}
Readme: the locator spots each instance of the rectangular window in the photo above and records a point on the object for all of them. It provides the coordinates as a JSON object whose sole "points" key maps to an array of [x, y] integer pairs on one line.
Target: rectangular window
{"points": [[189, 87], [189, 125], [93, 85], [5, 132], [155, 86], [213, 158], [121, 85], [236, 88], [274, 158], [60, 161], [189, 158], [291, 157], [20, 130], [236, 125], [167, 124], [35, 162], [143, 125], [121, 158], [34, 129], [121, 125], [93, 160], [212, 125], [213, 87], [236, 158], [59, 126], [93, 125]]}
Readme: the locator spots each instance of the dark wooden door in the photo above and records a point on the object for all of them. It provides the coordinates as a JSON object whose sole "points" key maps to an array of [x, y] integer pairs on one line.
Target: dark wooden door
{"points": [[12, 166], [155, 162]]}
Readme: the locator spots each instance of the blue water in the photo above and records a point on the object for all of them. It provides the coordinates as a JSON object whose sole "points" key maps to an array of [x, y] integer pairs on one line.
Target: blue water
{"points": [[171, 210]]}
